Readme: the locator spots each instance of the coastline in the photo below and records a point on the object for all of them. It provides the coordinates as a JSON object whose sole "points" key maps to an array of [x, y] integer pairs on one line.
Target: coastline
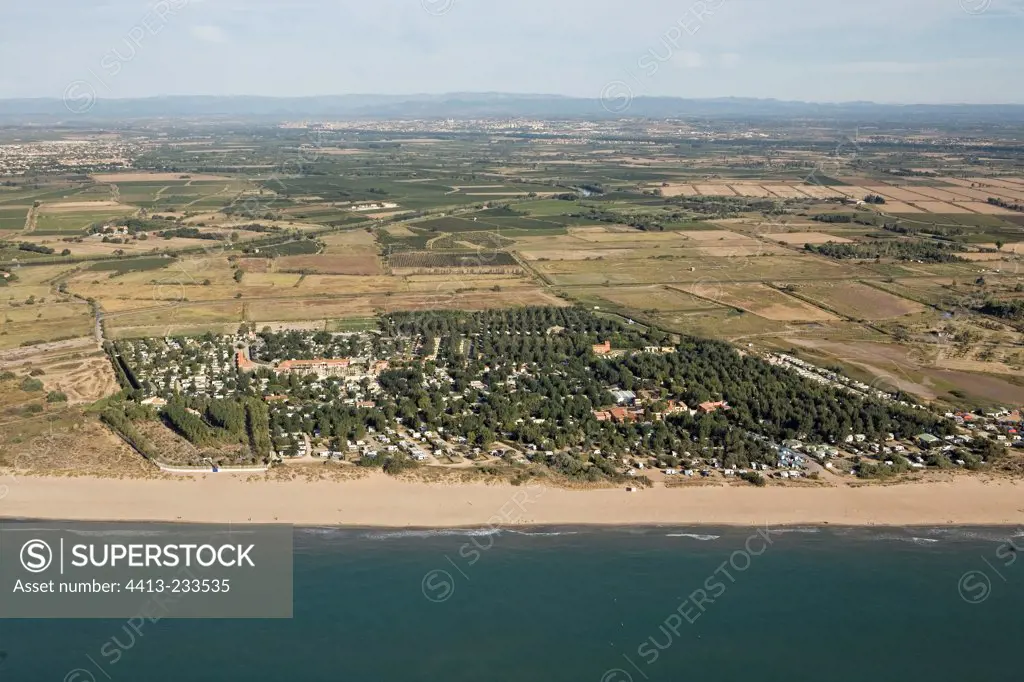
{"points": [[380, 501]]}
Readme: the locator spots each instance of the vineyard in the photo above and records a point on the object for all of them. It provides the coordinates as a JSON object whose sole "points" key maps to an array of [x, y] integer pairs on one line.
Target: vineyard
{"points": [[468, 240], [492, 262]]}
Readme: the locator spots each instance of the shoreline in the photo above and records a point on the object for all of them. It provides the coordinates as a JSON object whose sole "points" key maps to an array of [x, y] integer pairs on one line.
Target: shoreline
{"points": [[382, 502]]}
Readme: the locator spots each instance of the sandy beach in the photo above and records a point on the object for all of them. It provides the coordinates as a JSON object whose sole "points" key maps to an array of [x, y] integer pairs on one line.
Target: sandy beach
{"points": [[382, 501]]}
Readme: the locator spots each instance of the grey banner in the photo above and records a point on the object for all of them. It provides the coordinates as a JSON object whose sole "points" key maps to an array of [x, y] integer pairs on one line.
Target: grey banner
{"points": [[147, 571]]}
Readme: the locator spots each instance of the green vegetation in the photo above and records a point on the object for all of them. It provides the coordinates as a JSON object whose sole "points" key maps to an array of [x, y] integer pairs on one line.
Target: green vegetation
{"points": [[754, 478], [1009, 310], [257, 424], [191, 233], [132, 264], [1012, 205], [904, 250], [441, 260], [291, 248], [30, 385], [187, 423], [121, 416], [35, 248]]}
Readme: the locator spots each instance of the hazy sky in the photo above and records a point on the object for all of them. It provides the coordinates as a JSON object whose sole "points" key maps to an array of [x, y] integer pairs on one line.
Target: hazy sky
{"points": [[821, 50]]}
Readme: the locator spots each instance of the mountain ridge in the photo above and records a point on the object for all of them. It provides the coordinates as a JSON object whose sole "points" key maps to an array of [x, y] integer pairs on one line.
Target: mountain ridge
{"points": [[82, 105]]}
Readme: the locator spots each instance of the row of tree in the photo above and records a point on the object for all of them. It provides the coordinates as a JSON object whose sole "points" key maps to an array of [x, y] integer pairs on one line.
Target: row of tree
{"points": [[899, 249]]}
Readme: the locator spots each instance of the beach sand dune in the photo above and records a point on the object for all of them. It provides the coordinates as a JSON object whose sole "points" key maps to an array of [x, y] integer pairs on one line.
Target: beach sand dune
{"points": [[378, 500]]}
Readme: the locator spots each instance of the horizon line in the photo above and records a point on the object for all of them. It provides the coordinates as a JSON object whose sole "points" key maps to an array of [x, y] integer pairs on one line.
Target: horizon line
{"points": [[533, 95]]}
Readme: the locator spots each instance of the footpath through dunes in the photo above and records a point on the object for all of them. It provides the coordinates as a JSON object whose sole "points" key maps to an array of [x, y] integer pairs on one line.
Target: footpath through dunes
{"points": [[380, 500]]}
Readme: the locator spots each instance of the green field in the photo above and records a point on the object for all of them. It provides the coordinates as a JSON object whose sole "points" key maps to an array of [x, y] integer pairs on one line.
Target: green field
{"points": [[207, 195], [68, 224], [12, 218], [132, 265], [476, 222], [296, 248], [432, 259]]}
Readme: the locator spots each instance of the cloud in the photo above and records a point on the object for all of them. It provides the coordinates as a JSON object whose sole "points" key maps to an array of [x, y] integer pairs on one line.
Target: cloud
{"points": [[209, 34], [878, 67], [688, 59], [902, 50], [897, 67]]}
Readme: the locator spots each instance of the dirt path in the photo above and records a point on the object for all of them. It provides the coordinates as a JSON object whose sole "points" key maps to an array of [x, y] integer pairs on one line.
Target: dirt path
{"points": [[208, 196], [31, 218]]}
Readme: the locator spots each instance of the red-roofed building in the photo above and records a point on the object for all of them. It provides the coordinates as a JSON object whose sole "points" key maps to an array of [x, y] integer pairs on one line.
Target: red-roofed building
{"points": [[672, 407], [603, 348], [709, 407], [318, 366], [619, 415], [624, 414], [244, 363]]}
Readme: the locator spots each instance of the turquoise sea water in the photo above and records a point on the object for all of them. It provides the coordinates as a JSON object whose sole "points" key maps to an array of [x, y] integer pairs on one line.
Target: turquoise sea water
{"points": [[590, 604]]}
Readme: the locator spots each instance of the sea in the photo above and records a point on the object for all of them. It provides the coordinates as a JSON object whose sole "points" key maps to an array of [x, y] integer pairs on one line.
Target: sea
{"points": [[588, 604]]}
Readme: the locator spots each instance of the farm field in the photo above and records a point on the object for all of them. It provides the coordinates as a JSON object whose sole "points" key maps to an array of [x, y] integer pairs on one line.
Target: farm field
{"points": [[760, 300], [801, 238], [12, 217], [650, 299], [328, 264], [857, 301], [727, 324], [137, 177], [705, 238], [900, 199], [412, 262], [904, 368], [943, 208], [925, 291], [761, 268], [199, 317], [22, 323], [73, 218], [901, 208]]}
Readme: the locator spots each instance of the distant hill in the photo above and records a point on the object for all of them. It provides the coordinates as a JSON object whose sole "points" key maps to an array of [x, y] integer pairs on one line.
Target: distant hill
{"points": [[488, 105]]}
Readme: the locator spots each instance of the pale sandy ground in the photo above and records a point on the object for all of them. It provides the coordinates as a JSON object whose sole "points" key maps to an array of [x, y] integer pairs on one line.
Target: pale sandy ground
{"points": [[382, 501]]}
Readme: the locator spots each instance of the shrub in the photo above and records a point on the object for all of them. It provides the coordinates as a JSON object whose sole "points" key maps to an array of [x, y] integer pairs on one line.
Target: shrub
{"points": [[396, 465], [31, 385], [754, 478]]}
